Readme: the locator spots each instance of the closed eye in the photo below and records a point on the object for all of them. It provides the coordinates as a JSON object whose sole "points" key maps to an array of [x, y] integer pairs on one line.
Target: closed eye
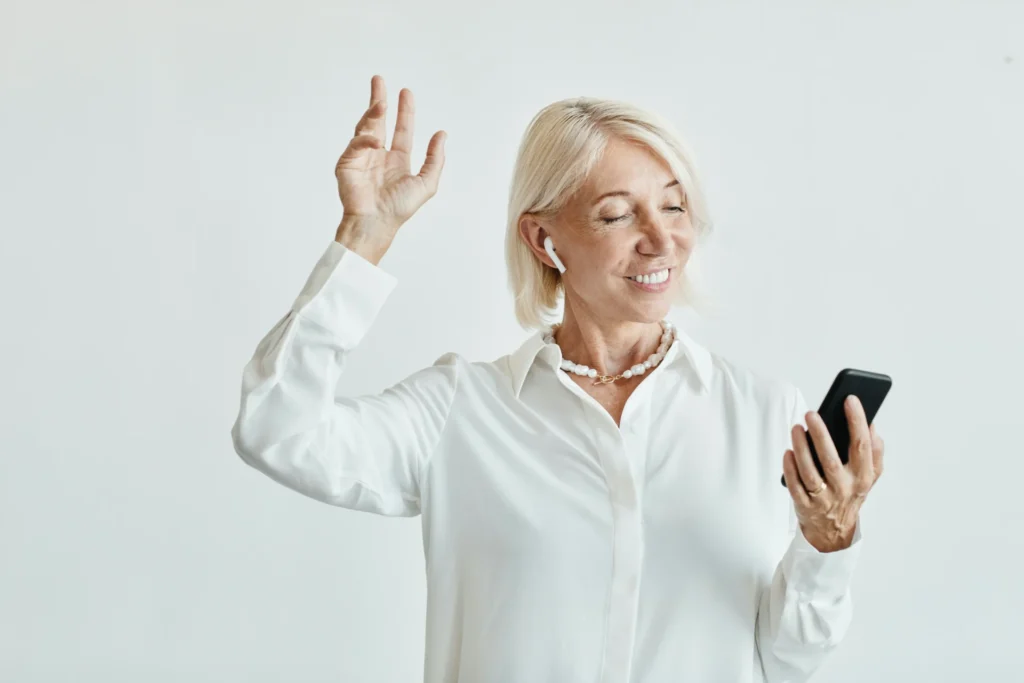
{"points": [[616, 219]]}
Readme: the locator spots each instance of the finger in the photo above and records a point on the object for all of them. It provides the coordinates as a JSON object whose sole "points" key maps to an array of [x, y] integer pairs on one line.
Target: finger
{"points": [[796, 489], [860, 442], [402, 141], [378, 93], [804, 460], [877, 452], [368, 123], [357, 144], [828, 456], [432, 165]]}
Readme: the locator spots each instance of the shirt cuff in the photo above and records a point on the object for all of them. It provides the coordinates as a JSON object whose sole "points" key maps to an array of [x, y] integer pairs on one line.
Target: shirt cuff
{"points": [[344, 294], [812, 572]]}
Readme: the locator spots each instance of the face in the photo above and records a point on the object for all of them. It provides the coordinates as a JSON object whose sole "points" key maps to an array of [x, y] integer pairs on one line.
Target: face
{"points": [[624, 237]]}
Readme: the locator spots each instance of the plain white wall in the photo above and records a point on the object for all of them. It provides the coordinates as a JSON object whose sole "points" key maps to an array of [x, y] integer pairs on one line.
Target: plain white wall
{"points": [[167, 186]]}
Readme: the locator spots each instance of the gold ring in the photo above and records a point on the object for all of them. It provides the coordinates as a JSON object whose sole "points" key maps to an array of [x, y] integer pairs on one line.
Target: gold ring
{"points": [[818, 490]]}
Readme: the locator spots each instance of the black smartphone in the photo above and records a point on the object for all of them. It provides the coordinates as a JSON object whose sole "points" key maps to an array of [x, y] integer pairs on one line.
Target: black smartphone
{"points": [[870, 387]]}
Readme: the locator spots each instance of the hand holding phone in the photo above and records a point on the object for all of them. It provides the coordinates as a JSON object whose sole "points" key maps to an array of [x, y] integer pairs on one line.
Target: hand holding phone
{"points": [[870, 387]]}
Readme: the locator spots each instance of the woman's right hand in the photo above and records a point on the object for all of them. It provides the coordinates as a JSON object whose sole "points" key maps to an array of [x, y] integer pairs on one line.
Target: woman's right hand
{"points": [[377, 190]]}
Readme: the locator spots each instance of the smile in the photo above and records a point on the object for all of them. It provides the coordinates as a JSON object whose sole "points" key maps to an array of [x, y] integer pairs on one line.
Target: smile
{"points": [[652, 278], [652, 282]]}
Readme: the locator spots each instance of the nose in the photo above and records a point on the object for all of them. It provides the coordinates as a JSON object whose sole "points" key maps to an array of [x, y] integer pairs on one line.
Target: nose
{"points": [[656, 237]]}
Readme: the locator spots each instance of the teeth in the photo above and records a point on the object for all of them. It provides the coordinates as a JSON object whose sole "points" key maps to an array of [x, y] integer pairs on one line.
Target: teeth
{"points": [[651, 279]]}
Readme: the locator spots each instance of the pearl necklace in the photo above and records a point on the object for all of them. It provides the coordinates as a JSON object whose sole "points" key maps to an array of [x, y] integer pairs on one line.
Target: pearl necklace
{"points": [[667, 337]]}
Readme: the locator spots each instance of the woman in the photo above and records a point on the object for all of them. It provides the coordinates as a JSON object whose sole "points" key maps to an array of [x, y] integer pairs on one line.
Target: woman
{"points": [[601, 504]]}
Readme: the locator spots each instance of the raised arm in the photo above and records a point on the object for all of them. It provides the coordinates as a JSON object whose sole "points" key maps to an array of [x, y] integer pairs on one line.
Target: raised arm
{"points": [[363, 453]]}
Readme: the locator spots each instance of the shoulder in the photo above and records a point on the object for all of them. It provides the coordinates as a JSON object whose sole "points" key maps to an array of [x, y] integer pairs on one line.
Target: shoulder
{"points": [[501, 377], [468, 375], [758, 410], [767, 392]]}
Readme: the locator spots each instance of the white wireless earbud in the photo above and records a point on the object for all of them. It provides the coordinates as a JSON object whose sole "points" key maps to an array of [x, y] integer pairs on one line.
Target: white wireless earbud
{"points": [[549, 247]]}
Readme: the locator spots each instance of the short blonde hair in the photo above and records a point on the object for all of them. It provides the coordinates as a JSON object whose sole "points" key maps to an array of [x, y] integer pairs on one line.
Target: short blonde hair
{"points": [[561, 145]]}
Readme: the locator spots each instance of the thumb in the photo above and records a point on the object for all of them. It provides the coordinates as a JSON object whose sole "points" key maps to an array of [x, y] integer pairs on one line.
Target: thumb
{"points": [[430, 172]]}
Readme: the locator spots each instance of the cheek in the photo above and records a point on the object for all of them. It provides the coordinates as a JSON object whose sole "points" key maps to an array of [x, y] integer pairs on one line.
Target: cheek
{"points": [[609, 250], [686, 237]]}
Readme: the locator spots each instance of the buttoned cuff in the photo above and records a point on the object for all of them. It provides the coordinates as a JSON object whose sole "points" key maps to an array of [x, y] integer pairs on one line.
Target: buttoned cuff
{"points": [[344, 294], [809, 571]]}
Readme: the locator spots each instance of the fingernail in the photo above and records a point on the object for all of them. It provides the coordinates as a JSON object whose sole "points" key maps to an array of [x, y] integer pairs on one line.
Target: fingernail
{"points": [[850, 400]]}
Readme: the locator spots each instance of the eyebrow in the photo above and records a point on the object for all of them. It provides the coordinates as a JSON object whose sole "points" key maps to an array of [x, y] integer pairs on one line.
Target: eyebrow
{"points": [[626, 193]]}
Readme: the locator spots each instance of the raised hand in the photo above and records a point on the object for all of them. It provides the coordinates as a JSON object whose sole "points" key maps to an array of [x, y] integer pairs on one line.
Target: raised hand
{"points": [[377, 189]]}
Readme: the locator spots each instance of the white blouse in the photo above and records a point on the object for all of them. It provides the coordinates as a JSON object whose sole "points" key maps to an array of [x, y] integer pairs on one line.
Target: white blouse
{"points": [[559, 546]]}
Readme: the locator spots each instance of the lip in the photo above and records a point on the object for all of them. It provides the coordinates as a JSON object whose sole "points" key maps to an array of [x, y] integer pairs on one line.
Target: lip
{"points": [[659, 287]]}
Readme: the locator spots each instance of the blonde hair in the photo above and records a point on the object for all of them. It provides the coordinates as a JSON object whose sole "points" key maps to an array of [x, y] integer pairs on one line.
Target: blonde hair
{"points": [[561, 145]]}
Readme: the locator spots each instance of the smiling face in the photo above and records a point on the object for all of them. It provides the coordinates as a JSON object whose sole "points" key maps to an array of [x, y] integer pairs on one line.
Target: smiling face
{"points": [[624, 237]]}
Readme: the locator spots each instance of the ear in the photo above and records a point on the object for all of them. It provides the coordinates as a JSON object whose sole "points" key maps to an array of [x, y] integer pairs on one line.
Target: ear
{"points": [[533, 233]]}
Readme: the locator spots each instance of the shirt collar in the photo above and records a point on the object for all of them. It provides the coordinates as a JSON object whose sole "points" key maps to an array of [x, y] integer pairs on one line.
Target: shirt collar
{"points": [[684, 347]]}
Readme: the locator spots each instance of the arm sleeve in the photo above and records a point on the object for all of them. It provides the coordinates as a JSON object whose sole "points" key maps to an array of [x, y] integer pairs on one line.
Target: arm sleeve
{"points": [[805, 612], [364, 453]]}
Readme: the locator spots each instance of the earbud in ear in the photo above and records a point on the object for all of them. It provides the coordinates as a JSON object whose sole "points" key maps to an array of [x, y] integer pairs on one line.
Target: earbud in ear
{"points": [[549, 247]]}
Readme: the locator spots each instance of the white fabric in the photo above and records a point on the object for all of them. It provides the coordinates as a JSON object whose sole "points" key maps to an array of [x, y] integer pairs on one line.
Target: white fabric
{"points": [[559, 546]]}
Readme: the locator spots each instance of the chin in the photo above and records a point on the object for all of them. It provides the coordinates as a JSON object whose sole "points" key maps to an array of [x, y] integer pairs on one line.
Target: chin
{"points": [[648, 311], [657, 313], [652, 308]]}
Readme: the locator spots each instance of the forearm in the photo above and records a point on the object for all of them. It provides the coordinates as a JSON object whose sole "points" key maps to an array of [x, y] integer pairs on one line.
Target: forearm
{"points": [[805, 612]]}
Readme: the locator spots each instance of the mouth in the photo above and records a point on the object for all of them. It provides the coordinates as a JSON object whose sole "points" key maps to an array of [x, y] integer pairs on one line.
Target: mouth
{"points": [[656, 281]]}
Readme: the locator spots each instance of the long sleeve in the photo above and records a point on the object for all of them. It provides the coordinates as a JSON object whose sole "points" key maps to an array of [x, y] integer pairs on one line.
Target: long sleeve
{"points": [[804, 613], [364, 453]]}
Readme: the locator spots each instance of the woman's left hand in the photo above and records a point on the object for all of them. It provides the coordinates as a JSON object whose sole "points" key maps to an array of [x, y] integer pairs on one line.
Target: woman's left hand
{"points": [[828, 508]]}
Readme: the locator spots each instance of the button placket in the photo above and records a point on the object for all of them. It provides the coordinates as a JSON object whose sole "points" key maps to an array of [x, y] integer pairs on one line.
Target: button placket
{"points": [[622, 456], [627, 553]]}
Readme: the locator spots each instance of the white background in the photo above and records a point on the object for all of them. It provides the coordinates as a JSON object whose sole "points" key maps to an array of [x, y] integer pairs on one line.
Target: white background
{"points": [[167, 186]]}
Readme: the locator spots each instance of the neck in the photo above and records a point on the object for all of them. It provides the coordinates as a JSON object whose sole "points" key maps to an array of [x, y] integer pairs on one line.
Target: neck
{"points": [[609, 346]]}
